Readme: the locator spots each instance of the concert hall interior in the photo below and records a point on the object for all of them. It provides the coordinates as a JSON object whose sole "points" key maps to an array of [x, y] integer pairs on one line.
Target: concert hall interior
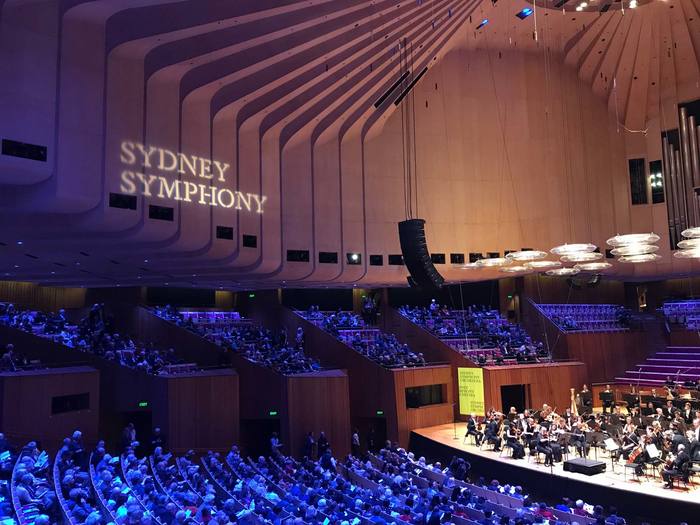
{"points": [[349, 262]]}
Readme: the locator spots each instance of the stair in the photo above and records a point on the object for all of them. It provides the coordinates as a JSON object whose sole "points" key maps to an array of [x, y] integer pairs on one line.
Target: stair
{"points": [[663, 360]]}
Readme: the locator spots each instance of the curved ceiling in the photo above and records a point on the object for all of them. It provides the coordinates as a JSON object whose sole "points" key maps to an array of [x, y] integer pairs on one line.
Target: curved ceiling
{"points": [[283, 94]]}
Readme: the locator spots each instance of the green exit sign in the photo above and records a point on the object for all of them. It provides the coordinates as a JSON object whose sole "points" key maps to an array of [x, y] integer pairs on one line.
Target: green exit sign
{"points": [[251, 295], [380, 412], [273, 412], [143, 404]]}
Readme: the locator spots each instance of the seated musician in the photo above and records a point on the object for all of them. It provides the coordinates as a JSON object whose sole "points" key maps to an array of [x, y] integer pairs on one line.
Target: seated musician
{"points": [[608, 398], [677, 466], [648, 409], [491, 434], [687, 413], [473, 430], [694, 436], [545, 446], [512, 414], [586, 398], [578, 437], [630, 439], [636, 417], [639, 456], [616, 418], [513, 440], [669, 410]]}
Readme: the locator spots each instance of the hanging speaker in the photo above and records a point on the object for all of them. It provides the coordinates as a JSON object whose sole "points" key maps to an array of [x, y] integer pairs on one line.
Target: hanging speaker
{"points": [[416, 255]]}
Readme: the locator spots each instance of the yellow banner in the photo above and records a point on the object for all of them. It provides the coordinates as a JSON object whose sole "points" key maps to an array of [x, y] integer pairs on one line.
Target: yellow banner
{"points": [[470, 382]]}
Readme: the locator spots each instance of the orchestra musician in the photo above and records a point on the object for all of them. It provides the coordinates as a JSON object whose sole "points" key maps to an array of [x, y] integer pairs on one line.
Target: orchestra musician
{"points": [[687, 413], [616, 418], [669, 410], [544, 446], [630, 439], [578, 437], [608, 398], [694, 436], [473, 430], [492, 434], [639, 455], [676, 466], [648, 409], [513, 440], [586, 398]]}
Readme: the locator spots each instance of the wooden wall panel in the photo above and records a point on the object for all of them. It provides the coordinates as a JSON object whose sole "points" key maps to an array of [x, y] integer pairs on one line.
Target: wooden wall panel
{"points": [[25, 401], [409, 418], [48, 298], [548, 383], [318, 403], [420, 340], [203, 411], [684, 338], [607, 354], [210, 395]]}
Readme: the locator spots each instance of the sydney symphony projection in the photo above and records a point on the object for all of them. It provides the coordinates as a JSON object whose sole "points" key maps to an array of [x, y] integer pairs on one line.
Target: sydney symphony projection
{"points": [[166, 184]]}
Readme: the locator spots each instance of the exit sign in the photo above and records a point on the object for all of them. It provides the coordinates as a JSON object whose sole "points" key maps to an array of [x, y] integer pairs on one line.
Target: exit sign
{"points": [[143, 404], [273, 412], [380, 412]]}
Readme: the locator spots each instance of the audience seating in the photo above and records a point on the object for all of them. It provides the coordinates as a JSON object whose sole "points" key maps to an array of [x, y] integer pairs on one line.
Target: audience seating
{"points": [[258, 345], [93, 334], [683, 313], [391, 486], [478, 333], [382, 348], [587, 317]]}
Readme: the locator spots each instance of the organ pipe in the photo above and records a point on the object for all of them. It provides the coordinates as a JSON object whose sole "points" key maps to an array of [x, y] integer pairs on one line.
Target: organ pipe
{"points": [[686, 169], [682, 175], [670, 200]]}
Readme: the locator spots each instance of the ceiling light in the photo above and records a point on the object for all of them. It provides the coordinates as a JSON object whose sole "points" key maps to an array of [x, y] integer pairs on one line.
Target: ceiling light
{"points": [[635, 249], [689, 243], [541, 265], [645, 257], [593, 267], [526, 255], [514, 269], [690, 253], [691, 233], [492, 262], [582, 257], [566, 249], [562, 272], [632, 238]]}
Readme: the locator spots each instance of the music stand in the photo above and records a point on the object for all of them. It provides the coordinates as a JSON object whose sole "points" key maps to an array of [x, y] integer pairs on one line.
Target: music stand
{"points": [[594, 438], [608, 400], [611, 446], [654, 457]]}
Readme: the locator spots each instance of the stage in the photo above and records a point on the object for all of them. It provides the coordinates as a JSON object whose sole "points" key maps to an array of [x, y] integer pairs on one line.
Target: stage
{"points": [[646, 499]]}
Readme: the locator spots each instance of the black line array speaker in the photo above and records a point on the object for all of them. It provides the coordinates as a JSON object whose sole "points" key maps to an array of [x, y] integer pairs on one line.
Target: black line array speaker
{"points": [[416, 255]]}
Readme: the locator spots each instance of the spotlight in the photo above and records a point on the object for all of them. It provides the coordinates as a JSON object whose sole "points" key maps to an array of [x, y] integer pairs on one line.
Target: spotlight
{"points": [[522, 15], [354, 258]]}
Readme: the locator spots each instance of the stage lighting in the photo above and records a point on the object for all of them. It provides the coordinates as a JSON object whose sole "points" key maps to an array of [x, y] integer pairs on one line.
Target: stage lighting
{"points": [[484, 22], [354, 258]]}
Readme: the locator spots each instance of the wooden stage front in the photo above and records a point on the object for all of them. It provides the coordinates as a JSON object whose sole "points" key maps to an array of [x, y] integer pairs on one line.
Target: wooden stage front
{"points": [[644, 499]]}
